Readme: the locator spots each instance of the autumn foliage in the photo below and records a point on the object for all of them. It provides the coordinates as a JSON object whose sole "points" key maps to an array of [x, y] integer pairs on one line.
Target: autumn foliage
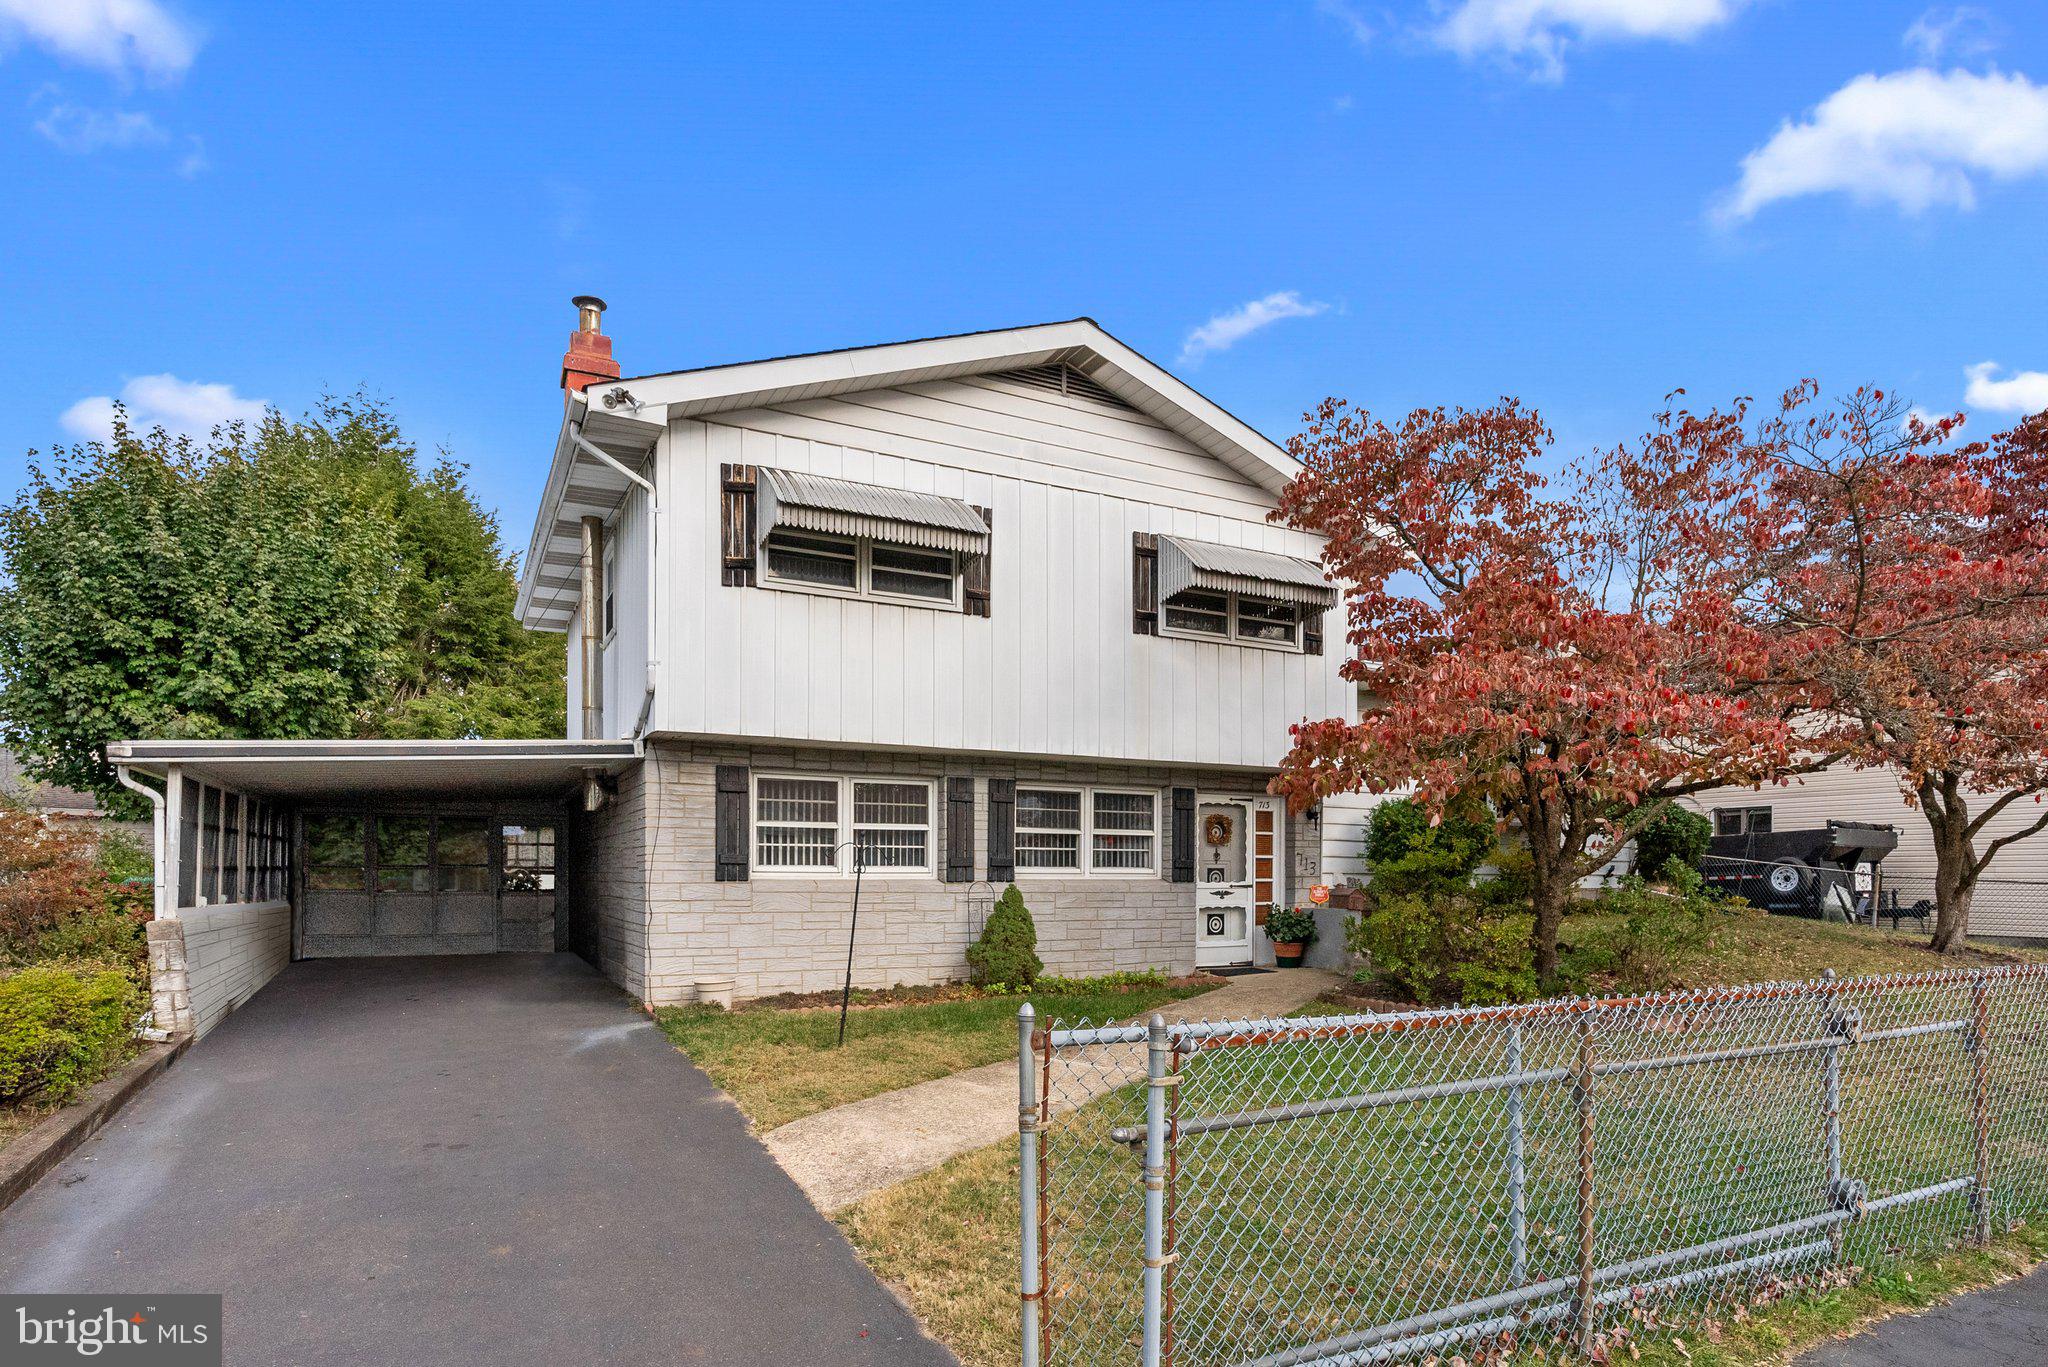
{"points": [[1567, 653], [1900, 578]]}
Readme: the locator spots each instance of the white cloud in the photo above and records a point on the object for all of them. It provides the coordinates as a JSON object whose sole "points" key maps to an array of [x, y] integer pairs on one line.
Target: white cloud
{"points": [[1915, 138], [1348, 17], [2023, 391], [187, 407], [121, 36], [1960, 31], [74, 128], [1226, 330], [1537, 32]]}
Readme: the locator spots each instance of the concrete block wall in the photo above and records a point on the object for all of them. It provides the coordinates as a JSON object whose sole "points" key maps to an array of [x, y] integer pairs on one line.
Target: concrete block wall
{"points": [[781, 934], [209, 960]]}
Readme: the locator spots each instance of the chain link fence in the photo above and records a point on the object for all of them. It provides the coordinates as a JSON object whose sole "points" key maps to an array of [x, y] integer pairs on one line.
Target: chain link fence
{"points": [[1376, 1189], [2013, 908]]}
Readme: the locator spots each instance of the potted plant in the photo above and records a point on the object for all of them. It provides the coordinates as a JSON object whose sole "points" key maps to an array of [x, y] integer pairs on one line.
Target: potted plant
{"points": [[1290, 929]]}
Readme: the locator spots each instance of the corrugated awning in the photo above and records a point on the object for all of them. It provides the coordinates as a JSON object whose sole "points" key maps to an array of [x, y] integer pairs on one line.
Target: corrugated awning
{"points": [[1186, 564], [814, 503]]}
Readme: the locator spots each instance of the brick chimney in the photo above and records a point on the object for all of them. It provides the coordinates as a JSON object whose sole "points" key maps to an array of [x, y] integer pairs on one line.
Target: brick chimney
{"points": [[589, 357]]}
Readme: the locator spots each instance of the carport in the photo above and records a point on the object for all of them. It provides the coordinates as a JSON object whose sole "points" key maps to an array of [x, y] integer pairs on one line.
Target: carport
{"points": [[268, 851]]}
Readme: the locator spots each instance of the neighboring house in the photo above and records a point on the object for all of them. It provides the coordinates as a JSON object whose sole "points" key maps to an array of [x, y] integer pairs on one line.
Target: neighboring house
{"points": [[1001, 607], [66, 804]]}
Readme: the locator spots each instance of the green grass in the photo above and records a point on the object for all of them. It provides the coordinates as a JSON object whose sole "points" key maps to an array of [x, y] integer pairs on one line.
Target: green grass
{"points": [[1287, 1234], [781, 1064]]}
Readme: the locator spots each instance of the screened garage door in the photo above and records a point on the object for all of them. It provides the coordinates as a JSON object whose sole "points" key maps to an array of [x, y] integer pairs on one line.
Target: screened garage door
{"points": [[425, 882]]}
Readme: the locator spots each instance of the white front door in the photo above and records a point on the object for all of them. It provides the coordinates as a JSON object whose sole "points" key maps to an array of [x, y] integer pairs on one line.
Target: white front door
{"points": [[1236, 856]]}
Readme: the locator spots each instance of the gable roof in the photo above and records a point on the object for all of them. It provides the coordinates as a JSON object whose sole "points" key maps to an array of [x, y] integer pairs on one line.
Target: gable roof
{"points": [[577, 484]]}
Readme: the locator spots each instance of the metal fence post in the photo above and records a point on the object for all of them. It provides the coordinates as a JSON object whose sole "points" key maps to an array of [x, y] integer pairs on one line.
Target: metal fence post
{"points": [[1582, 1091], [1518, 1188], [1158, 1077], [1030, 1293], [1980, 1103], [1832, 1027]]}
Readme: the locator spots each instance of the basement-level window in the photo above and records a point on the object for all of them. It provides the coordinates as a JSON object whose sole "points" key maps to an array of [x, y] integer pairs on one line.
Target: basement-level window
{"points": [[1232, 616], [861, 567], [811, 824]]}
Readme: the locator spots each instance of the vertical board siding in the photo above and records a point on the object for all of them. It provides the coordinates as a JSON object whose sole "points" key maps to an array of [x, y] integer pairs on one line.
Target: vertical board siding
{"points": [[1055, 669]]}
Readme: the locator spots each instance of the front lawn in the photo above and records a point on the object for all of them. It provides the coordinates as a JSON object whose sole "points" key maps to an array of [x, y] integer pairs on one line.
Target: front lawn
{"points": [[782, 1063]]}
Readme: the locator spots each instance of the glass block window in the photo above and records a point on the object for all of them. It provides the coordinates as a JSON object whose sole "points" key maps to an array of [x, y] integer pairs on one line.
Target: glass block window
{"points": [[1049, 829], [796, 824], [1123, 831], [892, 824]]}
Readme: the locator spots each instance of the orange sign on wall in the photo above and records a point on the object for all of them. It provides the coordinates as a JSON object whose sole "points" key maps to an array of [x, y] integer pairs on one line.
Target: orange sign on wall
{"points": [[1320, 894]]}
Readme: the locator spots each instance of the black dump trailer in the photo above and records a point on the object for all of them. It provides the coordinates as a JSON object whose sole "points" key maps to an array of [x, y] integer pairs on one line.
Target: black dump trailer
{"points": [[1828, 873]]}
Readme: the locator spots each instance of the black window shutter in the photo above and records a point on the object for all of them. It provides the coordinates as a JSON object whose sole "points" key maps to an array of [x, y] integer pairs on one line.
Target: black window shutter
{"points": [[974, 572], [1311, 632], [1183, 835], [959, 830], [736, 525], [1144, 584], [1002, 830], [729, 820]]}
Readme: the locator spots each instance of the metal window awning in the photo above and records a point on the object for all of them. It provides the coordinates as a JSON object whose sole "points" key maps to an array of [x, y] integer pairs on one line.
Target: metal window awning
{"points": [[813, 503], [1188, 564]]}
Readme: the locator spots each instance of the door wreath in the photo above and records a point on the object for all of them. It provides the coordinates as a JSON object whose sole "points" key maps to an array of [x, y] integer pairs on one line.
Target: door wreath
{"points": [[1216, 829]]}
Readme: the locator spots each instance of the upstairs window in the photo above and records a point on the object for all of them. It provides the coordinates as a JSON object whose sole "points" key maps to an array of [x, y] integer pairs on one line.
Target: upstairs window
{"points": [[1742, 821], [861, 567], [1233, 617]]}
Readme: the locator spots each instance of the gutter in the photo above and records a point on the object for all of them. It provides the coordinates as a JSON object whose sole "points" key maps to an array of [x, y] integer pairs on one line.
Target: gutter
{"points": [[653, 563], [157, 826]]}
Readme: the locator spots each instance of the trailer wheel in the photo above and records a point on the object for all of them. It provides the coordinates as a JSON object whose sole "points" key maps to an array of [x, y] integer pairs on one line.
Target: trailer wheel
{"points": [[1789, 877]]}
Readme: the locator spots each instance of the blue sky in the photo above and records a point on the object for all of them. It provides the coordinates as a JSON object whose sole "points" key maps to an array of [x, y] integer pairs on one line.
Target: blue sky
{"points": [[1585, 203]]}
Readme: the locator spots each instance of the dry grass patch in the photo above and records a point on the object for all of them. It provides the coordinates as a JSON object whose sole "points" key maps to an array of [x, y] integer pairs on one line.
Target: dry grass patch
{"points": [[782, 1064], [947, 1240]]}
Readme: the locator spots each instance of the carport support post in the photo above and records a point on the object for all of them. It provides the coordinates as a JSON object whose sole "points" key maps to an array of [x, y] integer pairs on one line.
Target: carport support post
{"points": [[1029, 1292], [1159, 1075]]}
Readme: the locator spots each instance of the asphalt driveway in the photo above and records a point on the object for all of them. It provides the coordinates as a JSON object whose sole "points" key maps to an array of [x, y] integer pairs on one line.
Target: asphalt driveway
{"points": [[457, 1160], [2006, 1326]]}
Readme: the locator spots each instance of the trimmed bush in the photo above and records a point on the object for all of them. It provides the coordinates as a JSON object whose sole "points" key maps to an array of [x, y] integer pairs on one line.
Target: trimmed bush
{"points": [[1674, 836], [1007, 951], [62, 1026]]}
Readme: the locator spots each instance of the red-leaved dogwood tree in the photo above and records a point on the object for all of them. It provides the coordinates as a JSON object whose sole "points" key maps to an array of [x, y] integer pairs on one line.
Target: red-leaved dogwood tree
{"points": [[1572, 655], [1901, 578]]}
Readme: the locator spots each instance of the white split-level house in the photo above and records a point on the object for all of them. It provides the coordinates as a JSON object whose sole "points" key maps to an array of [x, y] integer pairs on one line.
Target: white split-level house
{"points": [[981, 609]]}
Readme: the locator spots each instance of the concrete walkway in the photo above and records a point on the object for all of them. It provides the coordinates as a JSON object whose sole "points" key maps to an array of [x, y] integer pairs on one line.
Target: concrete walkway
{"points": [[841, 1155], [493, 1160], [2005, 1326]]}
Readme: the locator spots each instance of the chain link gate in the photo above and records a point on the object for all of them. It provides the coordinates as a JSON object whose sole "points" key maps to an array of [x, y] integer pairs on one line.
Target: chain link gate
{"points": [[1353, 1190]]}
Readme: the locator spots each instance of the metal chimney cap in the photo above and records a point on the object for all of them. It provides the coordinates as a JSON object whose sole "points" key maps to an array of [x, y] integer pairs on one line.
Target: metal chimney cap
{"points": [[588, 301]]}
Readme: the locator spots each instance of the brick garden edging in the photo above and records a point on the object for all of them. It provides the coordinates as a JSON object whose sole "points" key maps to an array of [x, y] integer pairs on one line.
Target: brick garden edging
{"points": [[51, 1142]]}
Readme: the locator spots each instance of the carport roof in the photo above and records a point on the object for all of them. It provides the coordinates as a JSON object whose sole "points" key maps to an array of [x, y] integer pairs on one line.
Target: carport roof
{"points": [[327, 768]]}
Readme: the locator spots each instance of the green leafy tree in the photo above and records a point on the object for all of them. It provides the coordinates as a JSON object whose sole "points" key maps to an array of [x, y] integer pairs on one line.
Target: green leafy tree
{"points": [[1677, 836], [294, 579]]}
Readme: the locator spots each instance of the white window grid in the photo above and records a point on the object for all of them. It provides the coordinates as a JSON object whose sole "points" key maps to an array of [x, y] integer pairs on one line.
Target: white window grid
{"points": [[862, 551], [1236, 621], [1088, 832], [842, 827]]}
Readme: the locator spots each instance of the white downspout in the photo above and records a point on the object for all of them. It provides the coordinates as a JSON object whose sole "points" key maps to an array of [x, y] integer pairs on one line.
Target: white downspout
{"points": [[165, 906], [653, 565]]}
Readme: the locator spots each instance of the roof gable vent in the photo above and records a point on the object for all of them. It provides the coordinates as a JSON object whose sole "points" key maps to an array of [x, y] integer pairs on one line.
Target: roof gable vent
{"points": [[1061, 379]]}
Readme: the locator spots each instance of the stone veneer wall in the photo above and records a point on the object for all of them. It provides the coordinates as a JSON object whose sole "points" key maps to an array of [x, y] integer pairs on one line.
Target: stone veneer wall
{"points": [[613, 882], [782, 934], [210, 960]]}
